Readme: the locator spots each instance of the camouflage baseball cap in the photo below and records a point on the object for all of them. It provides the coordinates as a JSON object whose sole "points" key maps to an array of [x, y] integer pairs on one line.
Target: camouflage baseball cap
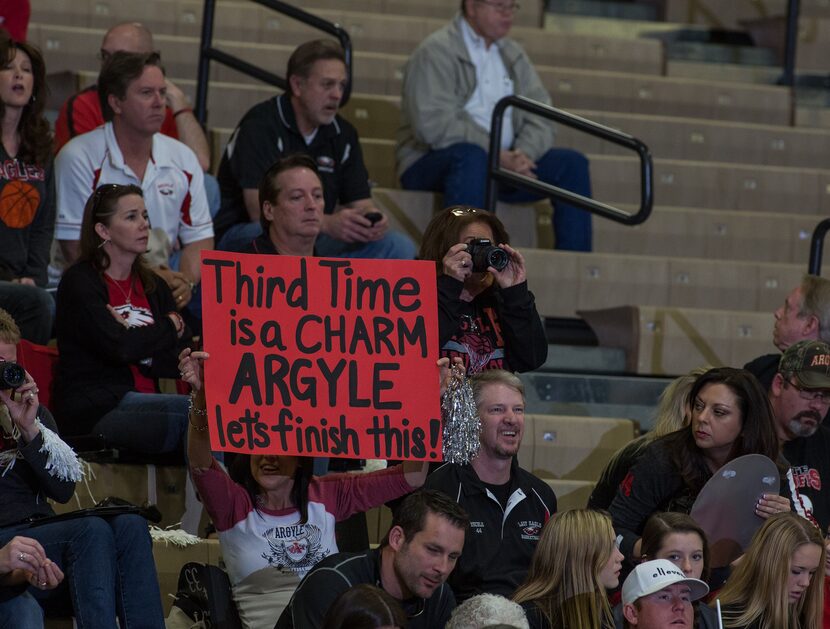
{"points": [[809, 363]]}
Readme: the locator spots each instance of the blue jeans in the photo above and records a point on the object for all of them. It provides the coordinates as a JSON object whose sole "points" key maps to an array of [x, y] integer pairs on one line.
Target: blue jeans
{"points": [[21, 612], [459, 172], [150, 423], [108, 570], [393, 246], [31, 307]]}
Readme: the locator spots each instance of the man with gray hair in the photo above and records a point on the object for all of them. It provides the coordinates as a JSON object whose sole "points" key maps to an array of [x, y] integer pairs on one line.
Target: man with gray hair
{"points": [[804, 316], [508, 505], [486, 611]]}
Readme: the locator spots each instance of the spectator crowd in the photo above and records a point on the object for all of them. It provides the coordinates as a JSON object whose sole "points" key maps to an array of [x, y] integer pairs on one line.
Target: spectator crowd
{"points": [[113, 210]]}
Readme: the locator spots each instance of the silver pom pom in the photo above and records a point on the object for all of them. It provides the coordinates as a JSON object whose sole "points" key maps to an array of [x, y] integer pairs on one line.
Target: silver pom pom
{"points": [[462, 426]]}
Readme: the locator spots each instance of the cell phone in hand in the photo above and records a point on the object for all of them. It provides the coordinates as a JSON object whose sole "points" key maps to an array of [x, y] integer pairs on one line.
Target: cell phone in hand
{"points": [[373, 217]]}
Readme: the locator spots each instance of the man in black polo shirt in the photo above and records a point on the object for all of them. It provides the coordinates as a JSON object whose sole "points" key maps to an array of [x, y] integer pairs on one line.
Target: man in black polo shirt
{"points": [[411, 564], [305, 120], [508, 506], [800, 396]]}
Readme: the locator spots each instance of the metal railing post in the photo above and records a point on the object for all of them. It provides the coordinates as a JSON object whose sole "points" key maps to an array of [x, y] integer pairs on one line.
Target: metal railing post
{"points": [[208, 53], [817, 247], [496, 175]]}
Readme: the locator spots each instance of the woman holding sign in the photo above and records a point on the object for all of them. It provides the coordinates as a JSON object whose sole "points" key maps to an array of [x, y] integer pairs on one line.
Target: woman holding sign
{"points": [[118, 332], [730, 417], [275, 520], [486, 314]]}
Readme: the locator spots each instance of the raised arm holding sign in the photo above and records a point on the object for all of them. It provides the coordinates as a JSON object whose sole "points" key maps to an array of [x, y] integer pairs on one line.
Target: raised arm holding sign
{"points": [[308, 357]]}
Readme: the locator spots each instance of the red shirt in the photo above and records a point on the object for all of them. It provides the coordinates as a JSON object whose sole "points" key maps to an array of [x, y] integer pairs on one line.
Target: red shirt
{"points": [[14, 17], [82, 112], [130, 301]]}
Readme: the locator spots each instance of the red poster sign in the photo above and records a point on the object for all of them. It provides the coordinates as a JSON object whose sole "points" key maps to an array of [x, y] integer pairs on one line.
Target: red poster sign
{"points": [[318, 356]]}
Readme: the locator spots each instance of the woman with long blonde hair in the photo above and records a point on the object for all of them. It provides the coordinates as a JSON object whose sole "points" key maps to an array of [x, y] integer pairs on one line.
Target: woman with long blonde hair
{"points": [[773, 586], [575, 562]]}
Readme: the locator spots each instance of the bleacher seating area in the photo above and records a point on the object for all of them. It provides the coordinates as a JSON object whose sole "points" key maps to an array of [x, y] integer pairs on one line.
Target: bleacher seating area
{"points": [[740, 182]]}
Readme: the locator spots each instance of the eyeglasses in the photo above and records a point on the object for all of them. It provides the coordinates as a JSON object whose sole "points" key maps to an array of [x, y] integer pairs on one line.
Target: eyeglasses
{"points": [[464, 211], [501, 7], [822, 396]]}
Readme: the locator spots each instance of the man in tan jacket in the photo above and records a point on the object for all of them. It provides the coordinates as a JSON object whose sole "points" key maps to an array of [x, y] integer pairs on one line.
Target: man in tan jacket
{"points": [[451, 84]]}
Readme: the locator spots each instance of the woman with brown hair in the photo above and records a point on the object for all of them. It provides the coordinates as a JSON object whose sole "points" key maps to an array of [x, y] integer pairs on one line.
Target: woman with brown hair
{"points": [[27, 189], [486, 314], [118, 333]]}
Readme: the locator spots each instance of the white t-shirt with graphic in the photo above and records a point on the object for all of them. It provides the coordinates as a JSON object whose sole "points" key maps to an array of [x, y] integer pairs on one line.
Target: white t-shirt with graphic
{"points": [[267, 552]]}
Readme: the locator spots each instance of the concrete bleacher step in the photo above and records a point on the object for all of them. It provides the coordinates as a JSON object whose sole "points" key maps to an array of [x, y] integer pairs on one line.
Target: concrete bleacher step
{"points": [[183, 17], [584, 359], [666, 136], [671, 341], [603, 9], [685, 183], [727, 72], [565, 282], [670, 231], [627, 397], [718, 53], [67, 48]]}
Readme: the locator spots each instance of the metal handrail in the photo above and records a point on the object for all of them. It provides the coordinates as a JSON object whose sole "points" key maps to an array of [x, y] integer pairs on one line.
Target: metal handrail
{"points": [[790, 43], [817, 247], [208, 53], [496, 175]]}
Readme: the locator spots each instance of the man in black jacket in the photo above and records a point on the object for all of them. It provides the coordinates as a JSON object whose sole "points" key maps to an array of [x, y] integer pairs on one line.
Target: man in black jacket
{"points": [[412, 564], [508, 505]]}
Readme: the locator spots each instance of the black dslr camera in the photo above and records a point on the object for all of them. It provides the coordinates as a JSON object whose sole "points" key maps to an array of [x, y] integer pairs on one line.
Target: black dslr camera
{"points": [[12, 375], [485, 255]]}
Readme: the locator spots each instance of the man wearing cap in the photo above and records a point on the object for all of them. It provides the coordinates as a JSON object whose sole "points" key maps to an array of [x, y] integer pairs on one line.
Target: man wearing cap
{"points": [[657, 595], [800, 397]]}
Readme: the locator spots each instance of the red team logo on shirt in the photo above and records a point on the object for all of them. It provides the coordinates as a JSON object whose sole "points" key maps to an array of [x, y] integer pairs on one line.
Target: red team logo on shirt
{"points": [[806, 477]]}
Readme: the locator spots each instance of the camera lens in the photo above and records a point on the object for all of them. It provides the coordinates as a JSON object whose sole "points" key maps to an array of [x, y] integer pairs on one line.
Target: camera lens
{"points": [[497, 258], [12, 375]]}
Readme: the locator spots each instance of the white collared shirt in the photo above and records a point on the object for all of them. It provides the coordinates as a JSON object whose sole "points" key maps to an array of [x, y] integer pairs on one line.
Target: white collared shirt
{"points": [[173, 184], [492, 83]]}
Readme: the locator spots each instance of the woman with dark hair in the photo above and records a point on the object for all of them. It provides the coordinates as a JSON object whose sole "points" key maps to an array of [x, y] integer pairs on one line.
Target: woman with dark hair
{"points": [[365, 607], [730, 417], [676, 537], [27, 189], [486, 315], [275, 520], [118, 333]]}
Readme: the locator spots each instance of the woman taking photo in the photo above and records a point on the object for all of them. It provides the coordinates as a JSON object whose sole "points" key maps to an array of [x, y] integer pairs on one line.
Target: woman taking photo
{"points": [[275, 520], [27, 189], [775, 586], [118, 333], [678, 538], [486, 315], [576, 561], [730, 417]]}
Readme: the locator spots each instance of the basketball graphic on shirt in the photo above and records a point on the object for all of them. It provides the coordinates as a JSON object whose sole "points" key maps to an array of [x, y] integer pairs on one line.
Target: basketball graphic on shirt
{"points": [[18, 204]]}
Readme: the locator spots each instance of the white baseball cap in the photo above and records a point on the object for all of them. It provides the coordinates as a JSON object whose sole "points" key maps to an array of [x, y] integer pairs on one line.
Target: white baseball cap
{"points": [[652, 576]]}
